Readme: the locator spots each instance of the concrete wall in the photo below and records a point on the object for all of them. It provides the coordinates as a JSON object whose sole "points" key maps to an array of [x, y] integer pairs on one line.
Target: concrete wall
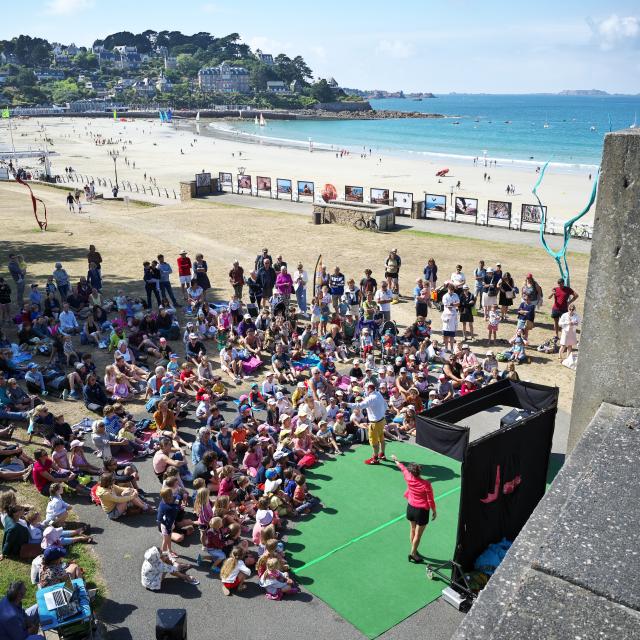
{"points": [[347, 213], [188, 190], [608, 368]]}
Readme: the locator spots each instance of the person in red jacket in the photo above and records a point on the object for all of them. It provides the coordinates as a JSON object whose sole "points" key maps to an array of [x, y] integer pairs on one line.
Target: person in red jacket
{"points": [[419, 495], [184, 272]]}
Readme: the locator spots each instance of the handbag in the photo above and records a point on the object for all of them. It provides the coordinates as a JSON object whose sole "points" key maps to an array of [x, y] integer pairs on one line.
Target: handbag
{"points": [[509, 295]]}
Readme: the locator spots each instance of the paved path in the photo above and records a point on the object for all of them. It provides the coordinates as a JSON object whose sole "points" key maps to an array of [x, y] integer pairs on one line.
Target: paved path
{"points": [[480, 232]]}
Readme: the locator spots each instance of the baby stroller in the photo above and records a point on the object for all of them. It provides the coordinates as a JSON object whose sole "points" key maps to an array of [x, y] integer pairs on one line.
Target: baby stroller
{"points": [[389, 341], [437, 295]]}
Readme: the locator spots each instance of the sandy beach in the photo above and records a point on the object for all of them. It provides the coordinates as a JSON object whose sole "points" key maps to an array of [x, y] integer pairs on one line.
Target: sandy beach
{"points": [[173, 152]]}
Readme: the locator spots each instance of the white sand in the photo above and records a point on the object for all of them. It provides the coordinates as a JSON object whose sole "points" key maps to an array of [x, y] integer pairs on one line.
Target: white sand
{"points": [[156, 150]]}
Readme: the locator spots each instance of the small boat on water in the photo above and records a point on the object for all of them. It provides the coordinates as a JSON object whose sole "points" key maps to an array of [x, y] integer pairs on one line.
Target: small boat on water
{"points": [[507, 121], [456, 122], [592, 128], [255, 121], [634, 124], [198, 117], [262, 121]]}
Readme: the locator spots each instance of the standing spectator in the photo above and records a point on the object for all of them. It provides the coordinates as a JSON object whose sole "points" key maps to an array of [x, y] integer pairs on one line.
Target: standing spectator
{"points": [[479, 275], [95, 257], [284, 284], [467, 302], [184, 272], [200, 269], [563, 296], [5, 301], [260, 259], [94, 277], [384, 298], [336, 287], [165, 282], [533, 290], [267, 280], [300, 279], [506, 294], [236, 278], [71, 203], [392, 273], [151, 278], [255, 289], [62, 281], [431, 274], [450, 305], [18, 274], [526, 316], [569, 322]]}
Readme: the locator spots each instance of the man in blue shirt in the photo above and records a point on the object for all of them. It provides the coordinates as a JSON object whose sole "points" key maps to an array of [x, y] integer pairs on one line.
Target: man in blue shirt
{"points": [[165, 284], [17, 623]]}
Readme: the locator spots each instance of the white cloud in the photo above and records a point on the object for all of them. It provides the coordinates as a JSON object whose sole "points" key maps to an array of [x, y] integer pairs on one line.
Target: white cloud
{"points": [[67, 7], [397, 49], [616, 32], [210, 7]]}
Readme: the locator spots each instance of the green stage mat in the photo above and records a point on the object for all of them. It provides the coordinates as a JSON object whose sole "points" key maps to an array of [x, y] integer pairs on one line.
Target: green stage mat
{"points": [[353, 553]]}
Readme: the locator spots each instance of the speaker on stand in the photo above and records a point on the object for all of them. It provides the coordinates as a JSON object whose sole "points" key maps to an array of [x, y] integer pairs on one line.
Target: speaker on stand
{"points": [[171, 624]]}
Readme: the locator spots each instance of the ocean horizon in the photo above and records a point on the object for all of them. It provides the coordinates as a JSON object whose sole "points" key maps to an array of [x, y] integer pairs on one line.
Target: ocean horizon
{"points": [[523, 129]]}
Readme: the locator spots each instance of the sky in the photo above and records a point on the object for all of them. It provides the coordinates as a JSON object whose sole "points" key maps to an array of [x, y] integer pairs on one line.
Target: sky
{"points": [[413, 45]]}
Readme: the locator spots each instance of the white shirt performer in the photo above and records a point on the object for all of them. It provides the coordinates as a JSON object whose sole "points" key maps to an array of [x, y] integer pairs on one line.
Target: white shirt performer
{"points": [[376, 407]]}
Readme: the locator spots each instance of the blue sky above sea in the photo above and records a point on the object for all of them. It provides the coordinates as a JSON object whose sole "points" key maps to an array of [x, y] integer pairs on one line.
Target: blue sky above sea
{"points": [[415, 45]]}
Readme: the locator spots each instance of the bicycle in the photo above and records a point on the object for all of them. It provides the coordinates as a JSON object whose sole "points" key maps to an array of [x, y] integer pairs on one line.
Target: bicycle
{"points": [[361, 224], [583, 231]]}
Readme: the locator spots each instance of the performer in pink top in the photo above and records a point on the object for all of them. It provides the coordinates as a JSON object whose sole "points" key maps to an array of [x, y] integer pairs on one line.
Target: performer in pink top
{"points": [[419, 495]]}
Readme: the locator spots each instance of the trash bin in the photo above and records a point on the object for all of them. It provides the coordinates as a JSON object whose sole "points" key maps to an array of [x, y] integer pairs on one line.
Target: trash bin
{"points": [[317, 217]]}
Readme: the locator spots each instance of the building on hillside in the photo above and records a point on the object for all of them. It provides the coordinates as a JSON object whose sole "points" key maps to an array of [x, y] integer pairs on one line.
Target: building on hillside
{"points": [[224, 79], [266, 58], [277, 86], [163, 84], [97, 48], [49, 74], [170, 62], [295, 86], [106, 57], [123, 48], [332, 83], [128, 60], [162, 52], [144, 88], [72, 50]]}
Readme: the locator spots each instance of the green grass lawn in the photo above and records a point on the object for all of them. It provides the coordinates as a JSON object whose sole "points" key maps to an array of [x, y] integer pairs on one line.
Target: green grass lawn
{"points": [[12, 570]]}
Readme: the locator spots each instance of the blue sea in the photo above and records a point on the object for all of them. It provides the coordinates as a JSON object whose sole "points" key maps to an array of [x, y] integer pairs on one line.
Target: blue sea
{"points": [[503, 127]]}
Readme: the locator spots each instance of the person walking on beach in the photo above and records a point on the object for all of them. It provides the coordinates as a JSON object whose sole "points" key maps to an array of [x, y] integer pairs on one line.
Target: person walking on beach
{"points": [[420, 502]]}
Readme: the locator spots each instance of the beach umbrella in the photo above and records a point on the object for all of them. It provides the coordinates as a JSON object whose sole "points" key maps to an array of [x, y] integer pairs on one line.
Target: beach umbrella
{"points": [[329, 192]]}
